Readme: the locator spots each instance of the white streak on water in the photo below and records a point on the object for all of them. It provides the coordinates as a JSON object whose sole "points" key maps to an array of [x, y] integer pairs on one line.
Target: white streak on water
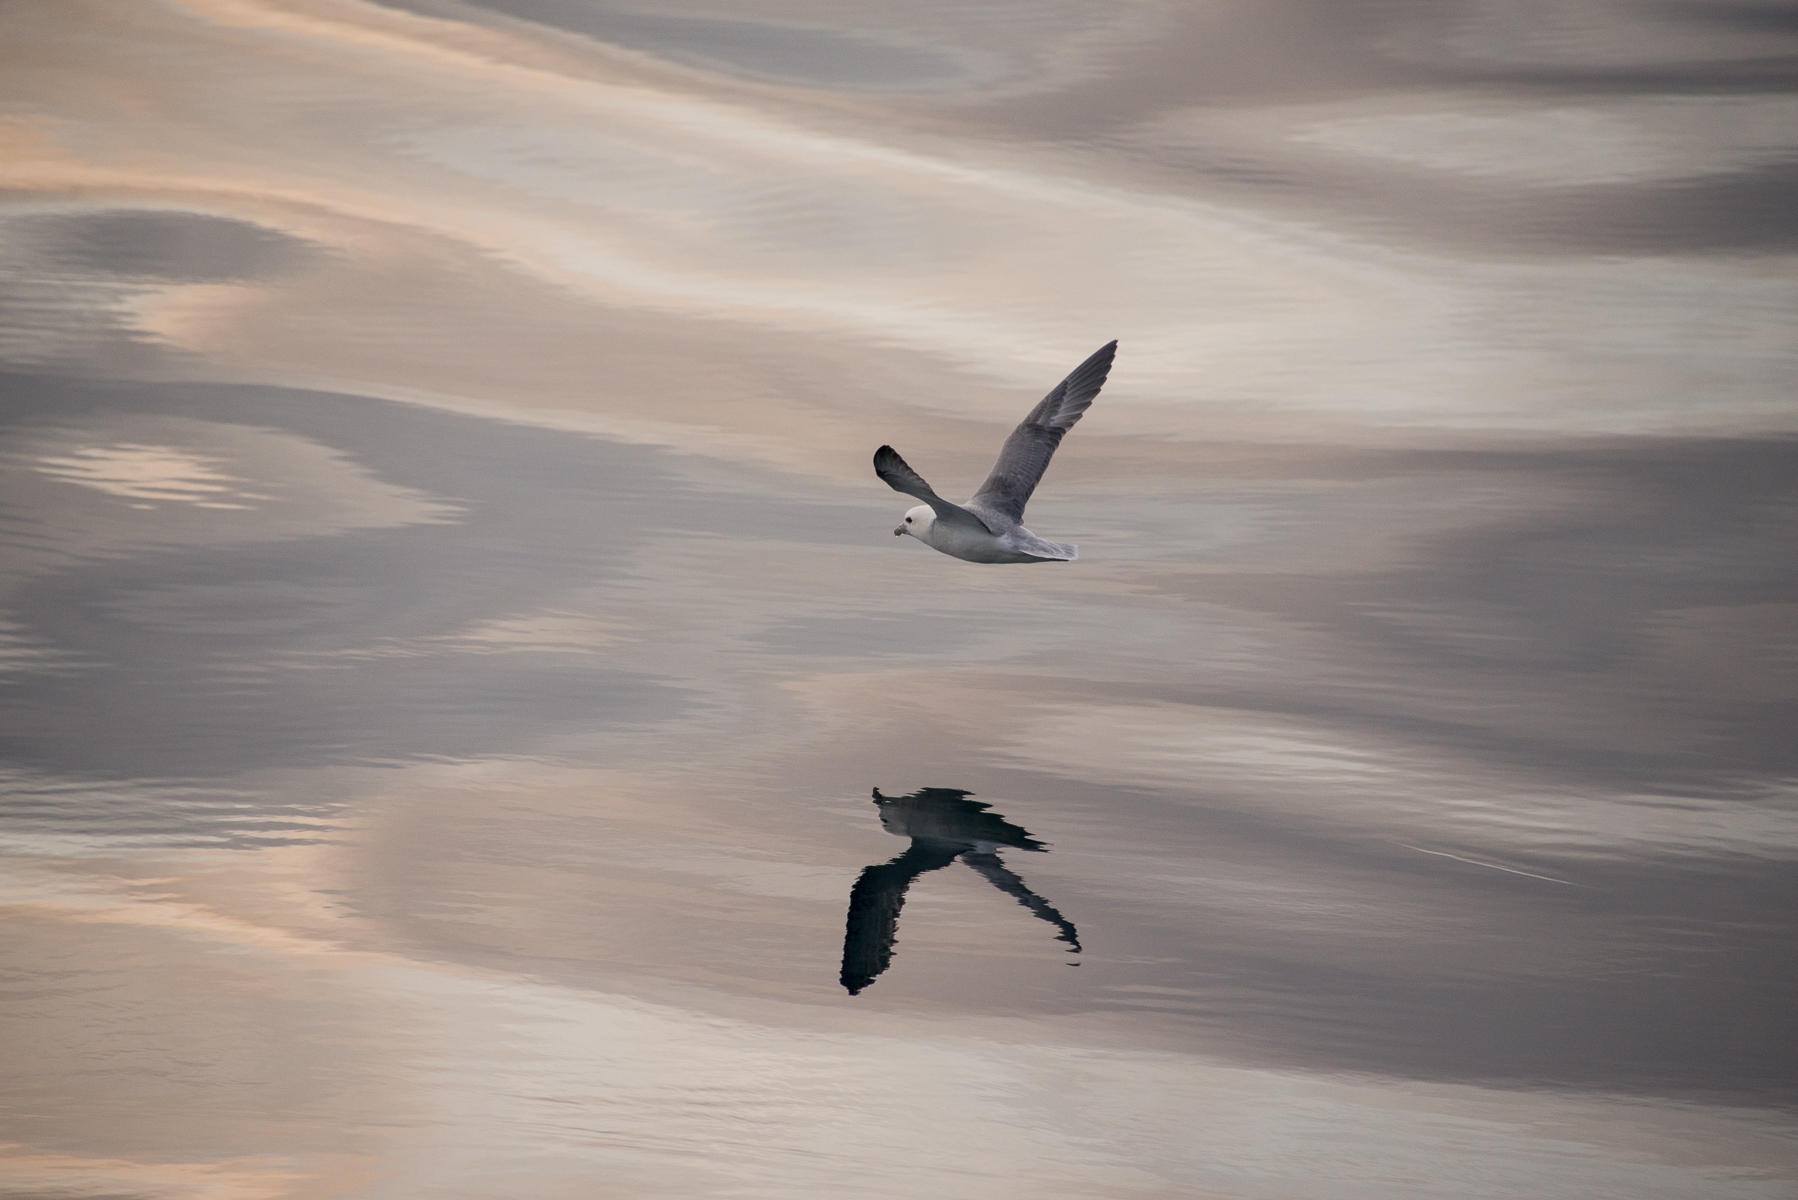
{"points": [[1478, 862]]}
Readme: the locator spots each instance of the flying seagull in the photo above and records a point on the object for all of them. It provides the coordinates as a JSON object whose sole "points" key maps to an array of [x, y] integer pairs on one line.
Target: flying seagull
{"points": [[989, 528]]}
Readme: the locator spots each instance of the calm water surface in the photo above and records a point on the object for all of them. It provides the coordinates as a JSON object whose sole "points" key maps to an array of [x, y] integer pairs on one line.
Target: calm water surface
{"points": [[467, 730]]}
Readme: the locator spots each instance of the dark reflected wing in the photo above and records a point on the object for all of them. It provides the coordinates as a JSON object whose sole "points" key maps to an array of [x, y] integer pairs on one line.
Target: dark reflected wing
{"points": [[874, 904], [901, 478], [1026, 453], [1007, 881]]}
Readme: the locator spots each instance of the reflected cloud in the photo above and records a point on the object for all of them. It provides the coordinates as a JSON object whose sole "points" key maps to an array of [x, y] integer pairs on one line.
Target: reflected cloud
{"points": [[849, 57], [943, 825], [435, 549], [149, 473]]}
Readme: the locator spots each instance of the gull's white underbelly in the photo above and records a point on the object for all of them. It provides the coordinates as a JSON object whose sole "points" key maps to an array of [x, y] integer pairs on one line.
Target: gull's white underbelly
{"points": [[980, 546]]}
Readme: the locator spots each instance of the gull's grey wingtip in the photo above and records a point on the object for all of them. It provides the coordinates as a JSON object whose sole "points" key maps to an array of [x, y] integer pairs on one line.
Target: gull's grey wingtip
{"points": [[885, 460]]}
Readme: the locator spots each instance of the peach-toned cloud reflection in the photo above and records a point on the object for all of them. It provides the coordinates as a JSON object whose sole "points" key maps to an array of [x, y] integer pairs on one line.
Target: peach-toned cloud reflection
{"points": [[149, 473], [551, 242], [289, 1047], [94, 485], [29, 1173], [449, 628]]}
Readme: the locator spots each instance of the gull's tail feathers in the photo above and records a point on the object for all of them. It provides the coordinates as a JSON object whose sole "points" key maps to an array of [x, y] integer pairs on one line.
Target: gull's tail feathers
{"points": [[1056, 551]]}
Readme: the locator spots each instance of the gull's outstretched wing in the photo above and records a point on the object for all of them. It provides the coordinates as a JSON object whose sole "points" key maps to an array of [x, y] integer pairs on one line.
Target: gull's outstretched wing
{"points": [[874, 904], [901, 478], [1025, 455]]}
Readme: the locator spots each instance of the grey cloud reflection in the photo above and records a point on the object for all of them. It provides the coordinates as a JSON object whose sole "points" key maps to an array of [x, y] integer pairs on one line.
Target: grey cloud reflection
{"points": [[790, 52], [350, 616], [943, 825]]}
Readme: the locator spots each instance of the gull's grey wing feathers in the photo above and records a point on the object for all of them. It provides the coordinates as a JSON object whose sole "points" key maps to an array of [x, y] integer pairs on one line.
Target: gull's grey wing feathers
{"points": [[1026, 453], [901, 478]]}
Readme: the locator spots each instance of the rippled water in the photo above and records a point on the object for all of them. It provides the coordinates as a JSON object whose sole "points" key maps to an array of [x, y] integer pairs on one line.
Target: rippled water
{"points": [[467, 728]]}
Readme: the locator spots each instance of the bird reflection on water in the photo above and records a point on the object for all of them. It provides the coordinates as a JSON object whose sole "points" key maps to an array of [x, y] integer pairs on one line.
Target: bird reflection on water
{"points": [[943, 825]]}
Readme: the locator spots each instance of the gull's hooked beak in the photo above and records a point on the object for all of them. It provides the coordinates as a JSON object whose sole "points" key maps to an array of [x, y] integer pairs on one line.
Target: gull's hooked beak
{"points": [[898, 531]]}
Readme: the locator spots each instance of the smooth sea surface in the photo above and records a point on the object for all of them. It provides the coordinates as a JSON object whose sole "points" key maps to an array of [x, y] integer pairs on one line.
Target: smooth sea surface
{"points": [[468, 730]]}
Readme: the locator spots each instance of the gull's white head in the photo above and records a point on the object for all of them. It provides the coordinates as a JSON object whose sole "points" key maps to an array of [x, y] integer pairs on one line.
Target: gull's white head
{"points": [[917, 522]]}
